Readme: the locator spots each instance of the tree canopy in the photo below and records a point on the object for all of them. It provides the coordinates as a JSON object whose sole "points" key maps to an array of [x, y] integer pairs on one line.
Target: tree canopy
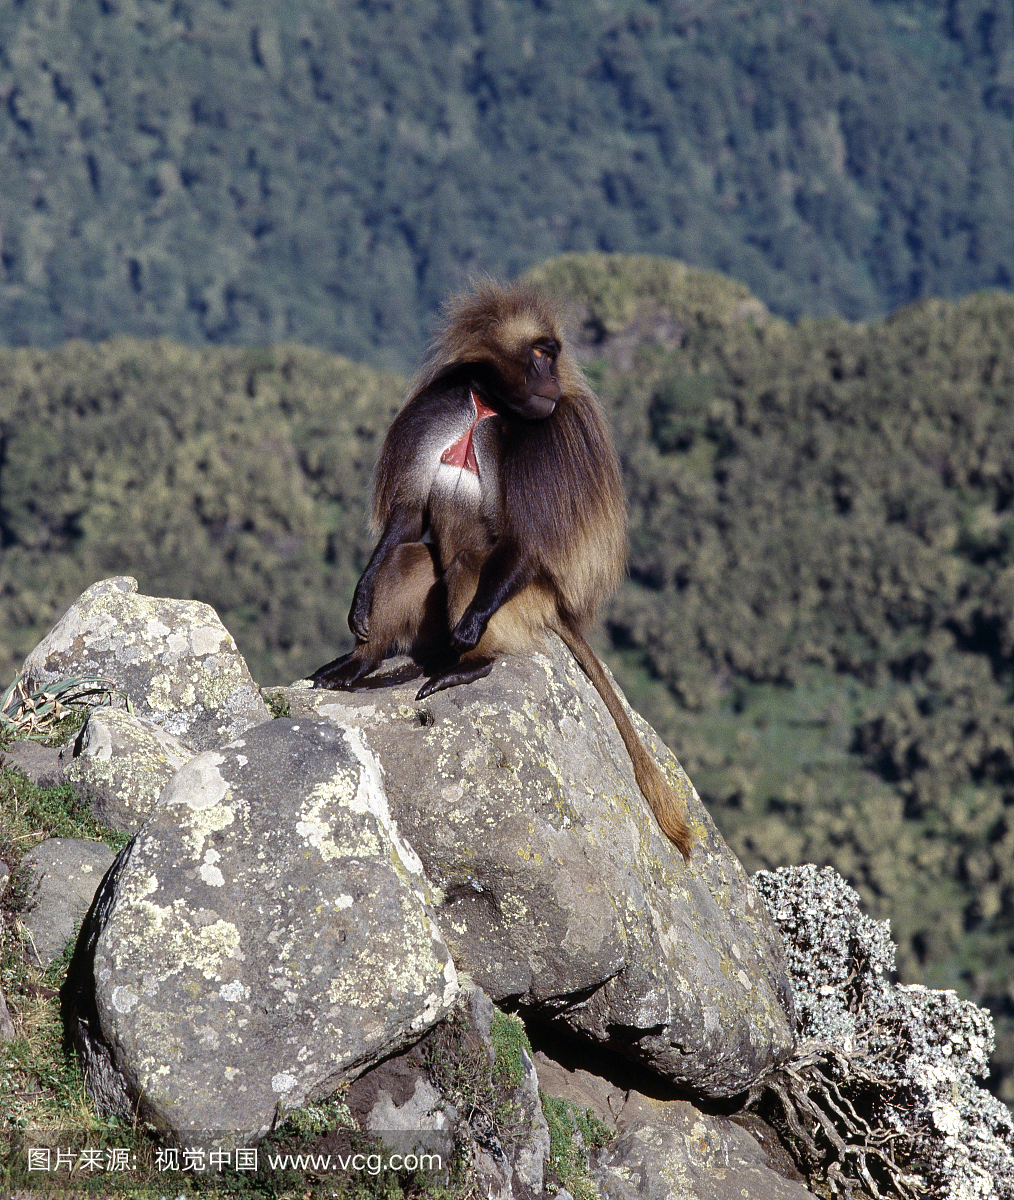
{"points": [[234, 171]]}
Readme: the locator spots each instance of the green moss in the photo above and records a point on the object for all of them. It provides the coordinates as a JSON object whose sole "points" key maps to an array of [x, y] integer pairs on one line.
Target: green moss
{"points": [[510, 1041], [573, 1131], [278, 704], [40, 812]]}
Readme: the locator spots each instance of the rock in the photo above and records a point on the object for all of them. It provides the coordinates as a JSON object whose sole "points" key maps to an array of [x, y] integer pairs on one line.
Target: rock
{"points": [[529, 1159], [262, 939], [516, 1166], [42, 764], [451, 1085], [121, 764], [66, 874], [487, 1103], [174, 658], [397, 1103], [558, 892], [7, 1030], [583, 1088], [669, 1148]]}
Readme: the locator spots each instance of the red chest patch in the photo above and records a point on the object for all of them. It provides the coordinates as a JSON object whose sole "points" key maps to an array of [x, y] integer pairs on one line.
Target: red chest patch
{"points": [[462, 453]]}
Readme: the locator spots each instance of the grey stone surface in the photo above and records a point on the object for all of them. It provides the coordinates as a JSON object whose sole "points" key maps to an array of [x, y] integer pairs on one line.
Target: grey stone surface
{"points": [[66, 873], [588, 1090], [669, 1150], [41, 764], [7, 1030], [558, 891], [263, 938], [174, 658], [121, 764]]}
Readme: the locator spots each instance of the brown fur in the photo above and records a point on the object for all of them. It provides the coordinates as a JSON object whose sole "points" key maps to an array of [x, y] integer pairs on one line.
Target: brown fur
{"points": [[534, 540]]}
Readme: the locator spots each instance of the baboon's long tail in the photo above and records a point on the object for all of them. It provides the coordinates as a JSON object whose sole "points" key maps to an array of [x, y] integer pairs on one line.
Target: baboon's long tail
{"points": [[669, 810]]}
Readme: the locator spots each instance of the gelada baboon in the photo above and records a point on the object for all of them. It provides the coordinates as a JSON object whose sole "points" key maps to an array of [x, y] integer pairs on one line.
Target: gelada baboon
{"points": [[501, 515]]}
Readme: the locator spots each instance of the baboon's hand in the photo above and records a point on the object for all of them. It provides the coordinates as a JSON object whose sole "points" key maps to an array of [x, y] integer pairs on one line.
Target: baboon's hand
{"points": [[468, 631], [359, 613]]}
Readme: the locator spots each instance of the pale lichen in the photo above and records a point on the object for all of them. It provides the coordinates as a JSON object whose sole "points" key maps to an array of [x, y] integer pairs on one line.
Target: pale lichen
{"points": [[884, 1075]]}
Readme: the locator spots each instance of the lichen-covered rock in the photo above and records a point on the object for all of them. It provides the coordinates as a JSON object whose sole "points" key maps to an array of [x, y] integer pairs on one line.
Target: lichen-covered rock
{"points": [[65, 875], [558, 890], [121, 764], [262, 939], [906, 1055], [174, 659], [668, 1149]]}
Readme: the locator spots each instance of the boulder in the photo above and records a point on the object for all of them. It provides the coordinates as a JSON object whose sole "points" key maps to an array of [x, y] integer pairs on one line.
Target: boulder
{"points": [[121, 763], [174, 659], [664, 1146], [66, 873], [557, 891], [41, 764], [670, 1148], [263, 938]]}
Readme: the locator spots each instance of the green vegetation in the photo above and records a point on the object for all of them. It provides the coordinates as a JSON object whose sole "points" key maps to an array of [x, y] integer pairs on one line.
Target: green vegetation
{"points": [[31, 814], [573, 1131], [40, 1082], [278, 704], [510, 1042], [59, 706], [459, 1063], [324, 172], [234, 476]]}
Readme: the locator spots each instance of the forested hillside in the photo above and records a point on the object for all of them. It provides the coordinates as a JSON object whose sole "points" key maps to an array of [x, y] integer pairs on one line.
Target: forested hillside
{"points": [[233, 476], [237, 171], [820, 611]]}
